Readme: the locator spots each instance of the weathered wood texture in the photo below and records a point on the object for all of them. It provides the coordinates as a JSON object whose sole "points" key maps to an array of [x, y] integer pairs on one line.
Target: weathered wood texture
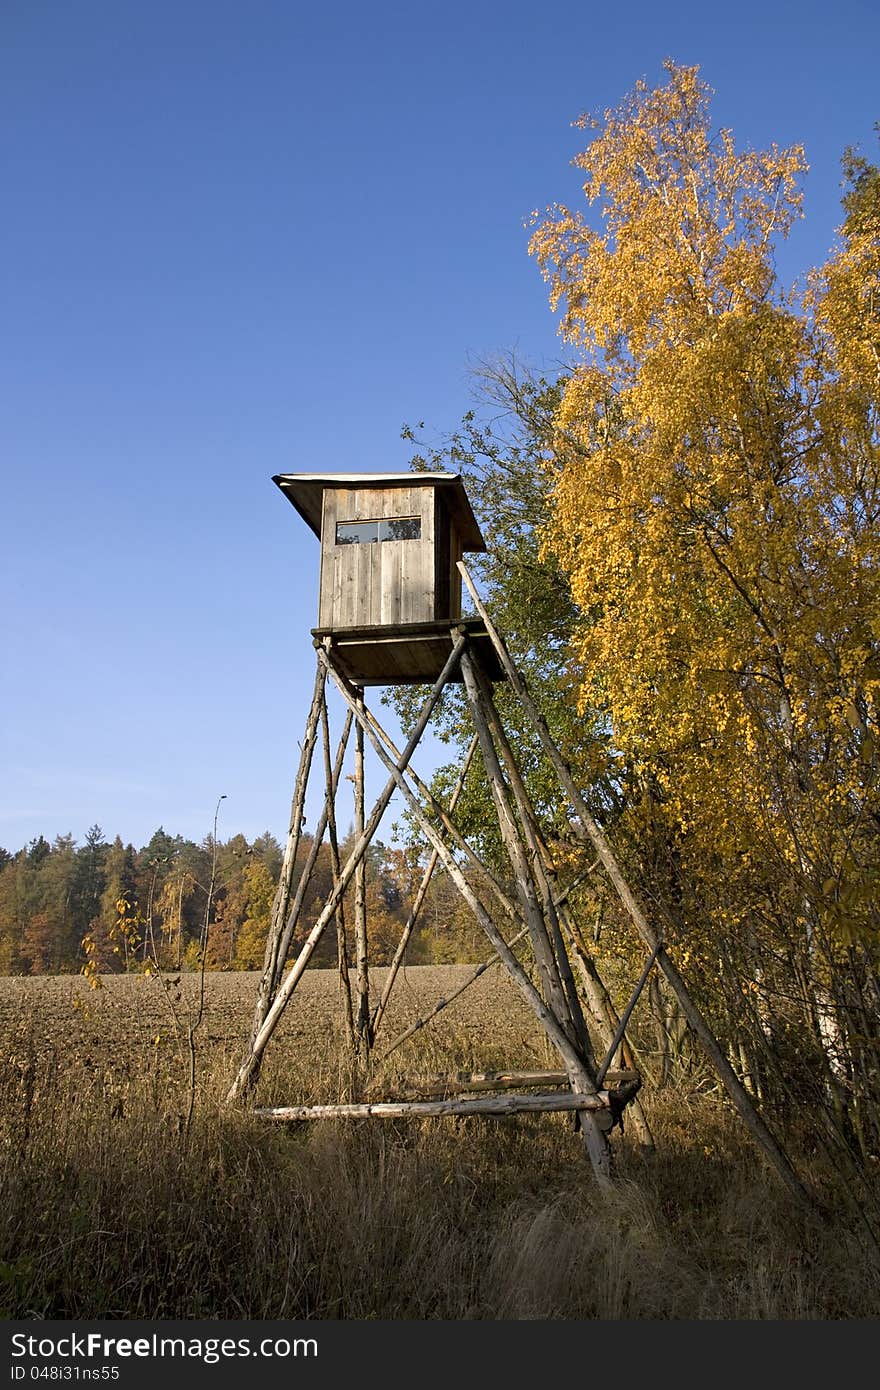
{"points": [[430, 1109], [444, 1003], [385, 582], [523, 883], [364, 1030], [402, 653], [428, 1087], [577, 1064], [251, 1064], [581, 1081], [543, 871], [302, 886], [341, 942], [589, 830], [273, 960], [412, 917], [625, 1018], [606, 1019], [447, 553]]}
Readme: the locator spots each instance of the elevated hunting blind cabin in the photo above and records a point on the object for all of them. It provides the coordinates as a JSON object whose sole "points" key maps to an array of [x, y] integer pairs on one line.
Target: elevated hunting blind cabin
{"points": [[389, 582], [390, 614]]}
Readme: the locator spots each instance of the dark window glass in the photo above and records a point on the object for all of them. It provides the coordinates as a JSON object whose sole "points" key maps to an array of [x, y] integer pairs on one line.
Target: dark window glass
{"points": [[393, 528], [400, 528], [356, 532]]}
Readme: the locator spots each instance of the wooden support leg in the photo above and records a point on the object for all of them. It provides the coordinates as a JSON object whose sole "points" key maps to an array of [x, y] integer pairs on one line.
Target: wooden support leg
{"points": [[381, 741], [581, 1077], [452, 832], [341, 945], [412, 918], [450, 998], [362, 1022], [588, 829], [625, 1018], [542, 870], [604, 1016], [281, 903], [250, 1066], [599, 1150], [525, 888], [311, 859]]}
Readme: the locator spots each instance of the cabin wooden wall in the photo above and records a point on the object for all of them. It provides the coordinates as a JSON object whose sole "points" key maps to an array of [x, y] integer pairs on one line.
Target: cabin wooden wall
{"points": [[447, 552], [384, 583]]}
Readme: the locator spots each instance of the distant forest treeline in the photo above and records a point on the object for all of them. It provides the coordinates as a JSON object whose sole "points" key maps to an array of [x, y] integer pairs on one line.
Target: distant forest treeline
{"points": [[111, 907]]}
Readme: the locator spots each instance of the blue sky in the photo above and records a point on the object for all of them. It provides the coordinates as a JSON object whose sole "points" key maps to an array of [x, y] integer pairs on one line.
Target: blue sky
{"points": [[248, 238]]}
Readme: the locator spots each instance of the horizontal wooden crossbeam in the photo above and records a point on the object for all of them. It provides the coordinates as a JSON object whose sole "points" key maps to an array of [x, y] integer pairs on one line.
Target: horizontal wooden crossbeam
{"points": [[428, 1109], [430, 1086]]}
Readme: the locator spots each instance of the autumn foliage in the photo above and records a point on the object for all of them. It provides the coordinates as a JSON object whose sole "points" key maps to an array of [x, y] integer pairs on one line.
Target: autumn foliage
{"points": [[715, 508]]}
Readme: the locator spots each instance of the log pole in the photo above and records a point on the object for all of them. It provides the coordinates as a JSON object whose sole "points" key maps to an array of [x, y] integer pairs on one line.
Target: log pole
{"points": [[431, 1087], [581, 1082], [625, 1018], [443, 816], [543, 871], [311, 860], [444, 1003], [588, 829], [418, 901], [281, 902], [589, 1103], [341, 943], [362, 1021], [251, 1064], [604, 1015], [600, 1155], [516, 853]]}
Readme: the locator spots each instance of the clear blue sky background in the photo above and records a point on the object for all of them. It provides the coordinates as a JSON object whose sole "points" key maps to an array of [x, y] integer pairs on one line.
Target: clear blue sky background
{"points": [[248, 238]]}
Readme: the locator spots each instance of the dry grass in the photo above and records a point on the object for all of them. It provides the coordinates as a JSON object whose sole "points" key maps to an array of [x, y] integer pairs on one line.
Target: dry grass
{"points": [[108, 1208]]}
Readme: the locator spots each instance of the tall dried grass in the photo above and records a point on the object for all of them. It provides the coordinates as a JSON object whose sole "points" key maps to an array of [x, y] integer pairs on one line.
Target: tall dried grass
{"points": [[108, 1208]]}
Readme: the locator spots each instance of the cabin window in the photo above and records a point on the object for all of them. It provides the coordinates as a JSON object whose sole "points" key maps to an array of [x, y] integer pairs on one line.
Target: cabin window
{"points": [[400, 528], [356, 532], [393, 528]]}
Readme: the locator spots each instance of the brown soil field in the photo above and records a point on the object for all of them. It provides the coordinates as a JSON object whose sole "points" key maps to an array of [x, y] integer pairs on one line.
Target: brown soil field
{"points": [[135, 1025]]}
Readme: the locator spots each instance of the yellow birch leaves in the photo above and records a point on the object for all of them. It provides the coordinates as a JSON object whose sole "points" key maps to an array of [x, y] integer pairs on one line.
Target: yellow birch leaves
{"points": [[716, 500]]}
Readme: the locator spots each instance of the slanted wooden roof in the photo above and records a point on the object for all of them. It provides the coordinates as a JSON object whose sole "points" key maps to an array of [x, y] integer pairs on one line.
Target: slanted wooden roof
{"points": [[306, 490]]}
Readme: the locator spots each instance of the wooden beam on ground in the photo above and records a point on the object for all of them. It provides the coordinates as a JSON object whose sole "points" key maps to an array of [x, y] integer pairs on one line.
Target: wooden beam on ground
{"points": [[431, 1109], [427, 1087]]}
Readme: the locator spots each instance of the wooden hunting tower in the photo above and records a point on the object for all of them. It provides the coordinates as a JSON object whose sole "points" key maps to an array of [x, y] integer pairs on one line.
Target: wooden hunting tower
{"points": [[390, 614], [390, 586]]}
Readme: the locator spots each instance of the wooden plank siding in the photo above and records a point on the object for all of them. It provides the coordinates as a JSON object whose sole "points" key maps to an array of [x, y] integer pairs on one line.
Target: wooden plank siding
{"points": [[382, 583], [328, 528]]}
